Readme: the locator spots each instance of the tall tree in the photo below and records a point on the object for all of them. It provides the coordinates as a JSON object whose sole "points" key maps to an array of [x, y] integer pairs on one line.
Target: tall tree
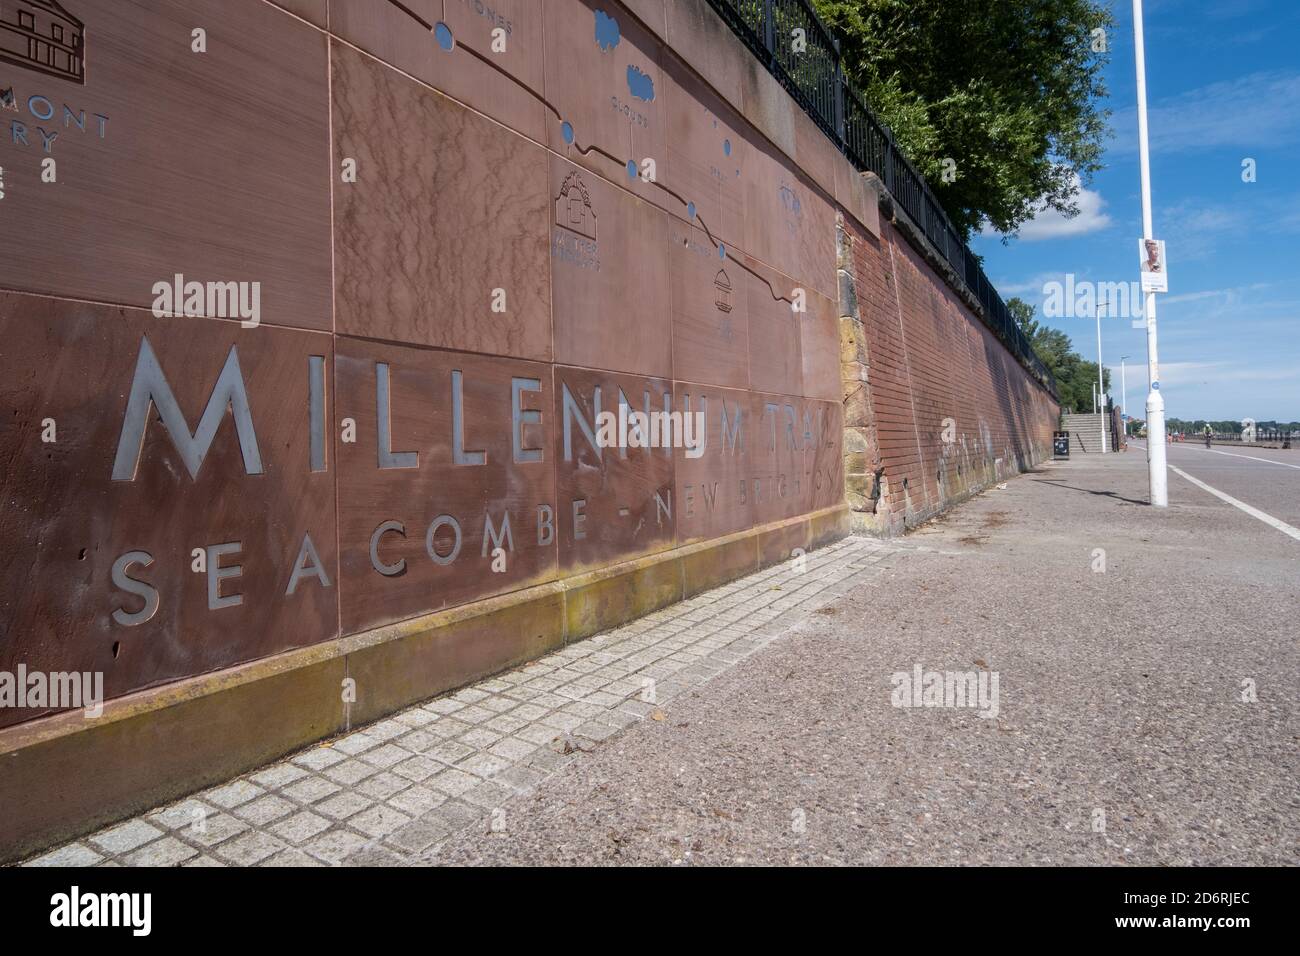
{"points": [[1009, 91]]}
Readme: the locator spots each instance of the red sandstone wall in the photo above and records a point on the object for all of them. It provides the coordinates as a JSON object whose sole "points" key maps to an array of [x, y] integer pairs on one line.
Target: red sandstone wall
{"points": [[930, 360], [456, 273]]}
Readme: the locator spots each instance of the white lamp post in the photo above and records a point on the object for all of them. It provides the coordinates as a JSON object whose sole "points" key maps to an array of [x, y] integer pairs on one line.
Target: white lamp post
{"points": [[1158, 474]]}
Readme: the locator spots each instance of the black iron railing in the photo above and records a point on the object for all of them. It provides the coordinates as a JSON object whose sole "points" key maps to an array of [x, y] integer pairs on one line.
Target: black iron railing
{"points": [[814, 76]]}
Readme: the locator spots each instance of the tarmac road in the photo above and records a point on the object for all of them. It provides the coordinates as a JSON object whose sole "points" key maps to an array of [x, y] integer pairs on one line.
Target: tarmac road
{"points": [[1266, 478], [1148, 711]]}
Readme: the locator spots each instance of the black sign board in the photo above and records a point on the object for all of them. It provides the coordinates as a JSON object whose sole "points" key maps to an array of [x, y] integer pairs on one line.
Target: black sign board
{"points": [[1060, 444]]}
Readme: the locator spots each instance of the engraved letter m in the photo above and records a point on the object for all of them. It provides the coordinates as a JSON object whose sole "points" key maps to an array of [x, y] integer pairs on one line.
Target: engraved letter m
{"points": [[150, 388]]}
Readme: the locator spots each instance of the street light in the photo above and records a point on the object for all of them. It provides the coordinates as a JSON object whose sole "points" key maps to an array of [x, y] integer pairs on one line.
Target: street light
{"points": [[1101, 387], [1123, 388], [1155, 401]]}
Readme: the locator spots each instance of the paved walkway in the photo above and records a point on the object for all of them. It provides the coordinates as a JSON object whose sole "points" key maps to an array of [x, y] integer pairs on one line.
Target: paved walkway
{"points": [[1146, 710], [1147, 713], [394, 791]]}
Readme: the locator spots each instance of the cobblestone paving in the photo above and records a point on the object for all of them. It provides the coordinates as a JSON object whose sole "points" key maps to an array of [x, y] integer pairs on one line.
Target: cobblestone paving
{"points": [[389, 793]]}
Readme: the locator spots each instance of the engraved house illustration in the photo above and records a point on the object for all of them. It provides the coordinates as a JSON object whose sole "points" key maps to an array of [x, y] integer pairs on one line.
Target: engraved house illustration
{"points": [[41, 35], [573, 207], [722, 286]]}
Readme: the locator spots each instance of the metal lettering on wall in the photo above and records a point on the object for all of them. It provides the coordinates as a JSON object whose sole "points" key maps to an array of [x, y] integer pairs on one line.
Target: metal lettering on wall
{"points": [[191, 492]]}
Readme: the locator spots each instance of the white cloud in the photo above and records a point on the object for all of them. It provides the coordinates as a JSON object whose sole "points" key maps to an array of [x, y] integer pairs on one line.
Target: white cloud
{"points": [[1252, 112], [1050, 224]]}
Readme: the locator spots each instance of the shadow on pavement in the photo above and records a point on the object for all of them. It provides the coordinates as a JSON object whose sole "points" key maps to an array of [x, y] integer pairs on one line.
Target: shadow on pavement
{"points": [[1103, 494]]}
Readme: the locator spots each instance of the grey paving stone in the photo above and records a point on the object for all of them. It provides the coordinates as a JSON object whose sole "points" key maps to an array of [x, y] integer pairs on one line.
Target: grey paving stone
{"points": [[420, 741], [333, 846], [512, 749], [300, 827], [355, 743], [278, 776], [350, 772], [250, 849], [484, 765], [582, 709], [520, 777], [620, 719], [547, 759], [475, 715], [451, 752], [562, 721], [383, 785], [346, 804], [125, 837], [73, 854], [456, 814], [539, 734], [214, 829], [596, 730], [319, 758], [417, 800], [180, 815], [386, 730], [419, 834], [443, 705], [497, 704], [636, 708], [291, 857], [506, 723], [311, 789], [380, 820], [468, 695], [549, 701], [232, 794], [415, 718], [386, 756], [449, 727], [452, 782], [373, 856], [488, 794], [264, 810], [479, 737], [418, 768], [168, 851]]}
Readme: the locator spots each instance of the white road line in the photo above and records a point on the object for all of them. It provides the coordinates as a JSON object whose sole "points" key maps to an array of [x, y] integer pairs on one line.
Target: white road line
{"points": [[1253, 512], [1270, 461], [1233, 454]]}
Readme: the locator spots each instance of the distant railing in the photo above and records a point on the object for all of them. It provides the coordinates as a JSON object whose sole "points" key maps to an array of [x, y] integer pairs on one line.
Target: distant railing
{"points": [[1263, 436], [815, 78]]}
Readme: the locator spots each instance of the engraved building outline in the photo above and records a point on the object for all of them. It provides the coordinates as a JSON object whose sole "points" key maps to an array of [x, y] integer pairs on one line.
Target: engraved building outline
{"points": [[41, 35]]}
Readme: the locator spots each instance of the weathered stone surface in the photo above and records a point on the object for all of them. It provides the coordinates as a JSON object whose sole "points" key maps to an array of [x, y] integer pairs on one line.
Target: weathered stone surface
{"points": [[141, 551]]}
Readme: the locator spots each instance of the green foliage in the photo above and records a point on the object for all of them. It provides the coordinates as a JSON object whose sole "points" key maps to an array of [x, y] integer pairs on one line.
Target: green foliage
{"points": [[1075, 378], [1010, 90]]}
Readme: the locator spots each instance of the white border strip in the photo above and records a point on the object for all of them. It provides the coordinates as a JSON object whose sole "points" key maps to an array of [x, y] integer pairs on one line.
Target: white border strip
{"points": [[1270, 461], [1253, 512]]}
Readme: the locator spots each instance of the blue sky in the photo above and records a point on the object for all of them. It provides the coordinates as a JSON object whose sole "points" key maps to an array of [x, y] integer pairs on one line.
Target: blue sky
{"points": [[1223, 85]]}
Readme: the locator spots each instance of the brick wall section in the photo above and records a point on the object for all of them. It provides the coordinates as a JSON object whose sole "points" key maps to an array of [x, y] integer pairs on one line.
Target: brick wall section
{"points": [[946, 410]]}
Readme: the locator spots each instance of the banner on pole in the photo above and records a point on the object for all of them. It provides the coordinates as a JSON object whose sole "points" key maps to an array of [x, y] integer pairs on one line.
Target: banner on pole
{"points": [[1155, 271]]}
